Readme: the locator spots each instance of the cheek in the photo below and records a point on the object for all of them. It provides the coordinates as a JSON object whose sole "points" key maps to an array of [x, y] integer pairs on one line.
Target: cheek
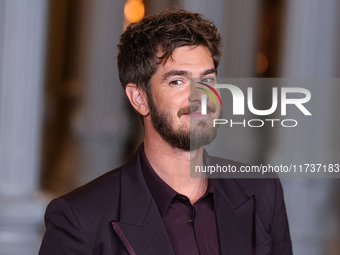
{"points": [[169, 103], [160, 98]]}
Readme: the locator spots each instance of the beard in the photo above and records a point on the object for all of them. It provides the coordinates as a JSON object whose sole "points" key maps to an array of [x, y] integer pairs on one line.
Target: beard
{"points": [[192, 139]]}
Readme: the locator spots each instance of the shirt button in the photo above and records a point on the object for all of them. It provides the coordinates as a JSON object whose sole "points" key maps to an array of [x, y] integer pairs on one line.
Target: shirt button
{"points": [[191, 221]]}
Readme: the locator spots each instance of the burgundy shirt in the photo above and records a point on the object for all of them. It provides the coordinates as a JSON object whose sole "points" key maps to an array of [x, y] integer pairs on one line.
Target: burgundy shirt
{"points": [[191, 228]]}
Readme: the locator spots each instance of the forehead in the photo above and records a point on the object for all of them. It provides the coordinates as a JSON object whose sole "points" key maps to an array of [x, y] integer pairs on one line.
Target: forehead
{"points": [[193, 57]]}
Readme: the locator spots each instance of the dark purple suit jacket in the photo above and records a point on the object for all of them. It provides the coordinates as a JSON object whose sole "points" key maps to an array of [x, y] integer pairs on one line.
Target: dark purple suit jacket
{"points": [[115, 214]]}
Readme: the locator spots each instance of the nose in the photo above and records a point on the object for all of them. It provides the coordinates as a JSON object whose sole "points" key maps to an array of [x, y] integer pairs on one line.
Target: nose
{"points": [[195, 93]]}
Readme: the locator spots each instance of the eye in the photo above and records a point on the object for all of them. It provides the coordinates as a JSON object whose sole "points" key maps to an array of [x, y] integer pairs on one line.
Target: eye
{"points": [[208, 80], [176, 83]]}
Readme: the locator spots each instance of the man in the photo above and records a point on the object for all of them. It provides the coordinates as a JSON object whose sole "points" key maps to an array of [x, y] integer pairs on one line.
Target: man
{"points": [[151, 205]]}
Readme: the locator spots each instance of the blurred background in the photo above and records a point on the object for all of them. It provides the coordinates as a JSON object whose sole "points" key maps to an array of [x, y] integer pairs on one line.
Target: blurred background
{"points": [[64, 118]]}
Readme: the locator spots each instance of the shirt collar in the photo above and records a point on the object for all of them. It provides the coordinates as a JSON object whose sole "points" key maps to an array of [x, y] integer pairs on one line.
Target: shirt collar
{"points": [[211, 181], [161, 192], [211, 192]]}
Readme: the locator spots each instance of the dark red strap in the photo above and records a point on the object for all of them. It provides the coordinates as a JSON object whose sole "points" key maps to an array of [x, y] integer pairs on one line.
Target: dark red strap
{"points": [[123, 238], [253, 241]]}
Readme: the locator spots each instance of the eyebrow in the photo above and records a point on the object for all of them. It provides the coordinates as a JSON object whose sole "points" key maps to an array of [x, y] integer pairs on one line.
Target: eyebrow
{"points": [[175, 73], [209, 71], [186, 73]]}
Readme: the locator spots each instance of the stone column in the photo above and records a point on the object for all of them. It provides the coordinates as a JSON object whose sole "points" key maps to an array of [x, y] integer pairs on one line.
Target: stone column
{"points": [[22, 56], [102, 124], [309, 50]]}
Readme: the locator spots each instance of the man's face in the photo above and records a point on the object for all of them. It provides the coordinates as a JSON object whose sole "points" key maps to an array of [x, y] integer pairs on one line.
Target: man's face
{"points": [[175, 112]]}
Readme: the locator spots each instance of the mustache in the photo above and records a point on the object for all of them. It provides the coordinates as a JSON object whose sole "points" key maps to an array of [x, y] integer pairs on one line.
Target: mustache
{"points": [[194, 108]]}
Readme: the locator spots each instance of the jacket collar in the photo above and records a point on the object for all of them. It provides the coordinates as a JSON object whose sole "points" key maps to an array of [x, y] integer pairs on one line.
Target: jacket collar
{"points": [[135, 195]]}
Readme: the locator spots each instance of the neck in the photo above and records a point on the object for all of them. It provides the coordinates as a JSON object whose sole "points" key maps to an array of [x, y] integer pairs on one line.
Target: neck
{"points": [[172, 165]]}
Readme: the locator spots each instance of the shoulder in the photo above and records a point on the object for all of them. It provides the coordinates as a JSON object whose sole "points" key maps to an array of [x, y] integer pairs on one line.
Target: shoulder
{"points": [[226, 168], [266, 189], [76, 220], [107, 183], [101, 195]]}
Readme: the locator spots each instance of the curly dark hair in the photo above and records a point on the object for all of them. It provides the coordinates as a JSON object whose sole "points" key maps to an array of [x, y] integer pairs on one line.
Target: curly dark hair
{"points": [[158, 34]]}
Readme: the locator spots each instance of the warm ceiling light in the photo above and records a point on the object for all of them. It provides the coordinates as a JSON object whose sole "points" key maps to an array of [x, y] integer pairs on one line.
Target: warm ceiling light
{"points": [[262, 63], [134, 10]]}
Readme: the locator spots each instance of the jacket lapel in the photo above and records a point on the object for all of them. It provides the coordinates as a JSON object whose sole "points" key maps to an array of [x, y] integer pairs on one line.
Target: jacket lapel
{"points": [[140, 227], [235, 218]]}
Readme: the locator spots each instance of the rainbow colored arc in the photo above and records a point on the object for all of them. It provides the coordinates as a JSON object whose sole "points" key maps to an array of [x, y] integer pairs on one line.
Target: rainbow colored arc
{"points": [[209, 93]]}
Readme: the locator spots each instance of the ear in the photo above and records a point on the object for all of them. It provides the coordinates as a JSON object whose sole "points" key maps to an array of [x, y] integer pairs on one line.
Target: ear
{"points": [[138, 98]]}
